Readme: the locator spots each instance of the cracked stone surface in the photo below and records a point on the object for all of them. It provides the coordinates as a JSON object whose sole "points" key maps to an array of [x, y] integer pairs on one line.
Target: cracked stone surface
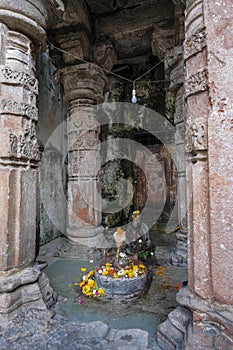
{"points": [[45, 331]]}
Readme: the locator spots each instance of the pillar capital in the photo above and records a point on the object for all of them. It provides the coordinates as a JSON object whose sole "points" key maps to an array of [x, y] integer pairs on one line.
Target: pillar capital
{"points": [[104, 53], [84, 81], [76, 44], [29, 17]]}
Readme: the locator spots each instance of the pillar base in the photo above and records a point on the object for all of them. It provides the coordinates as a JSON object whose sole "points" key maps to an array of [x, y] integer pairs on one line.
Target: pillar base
{"points": [[28, 288], [178, 255], [212, 323], [171, 334], [89, 236]]}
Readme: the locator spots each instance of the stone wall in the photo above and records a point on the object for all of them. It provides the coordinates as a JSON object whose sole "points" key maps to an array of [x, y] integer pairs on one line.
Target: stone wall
{"points": [[51, 124]]}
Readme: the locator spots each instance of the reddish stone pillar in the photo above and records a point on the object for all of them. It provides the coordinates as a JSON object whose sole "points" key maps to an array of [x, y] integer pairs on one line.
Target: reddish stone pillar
{"points": [[84, 87], [209, 98], [21, 282]]}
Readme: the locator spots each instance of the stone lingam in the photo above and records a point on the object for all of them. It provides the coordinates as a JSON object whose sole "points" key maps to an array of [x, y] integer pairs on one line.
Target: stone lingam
{"points": [[120, 269]]}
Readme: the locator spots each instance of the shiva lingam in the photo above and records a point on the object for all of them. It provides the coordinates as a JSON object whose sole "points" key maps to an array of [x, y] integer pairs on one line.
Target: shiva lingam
{"points": [[119, 237], [123, 274]]}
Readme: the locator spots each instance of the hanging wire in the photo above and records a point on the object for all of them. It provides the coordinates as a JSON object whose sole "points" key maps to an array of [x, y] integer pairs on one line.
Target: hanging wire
{"points": [[134, 98], [106, 70], [84, 61]]}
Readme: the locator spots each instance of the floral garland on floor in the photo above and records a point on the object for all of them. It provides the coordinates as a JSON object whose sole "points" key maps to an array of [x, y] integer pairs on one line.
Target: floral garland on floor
{"points": [[88, 285]]}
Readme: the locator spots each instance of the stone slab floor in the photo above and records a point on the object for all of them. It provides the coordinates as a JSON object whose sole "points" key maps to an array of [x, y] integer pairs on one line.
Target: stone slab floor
{"points": [[96, 324]]}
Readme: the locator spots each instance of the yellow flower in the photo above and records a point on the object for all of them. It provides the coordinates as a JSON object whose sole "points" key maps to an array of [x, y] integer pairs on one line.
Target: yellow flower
{"points": [[89, 294], [135, 267], [83, 269], [91, 283], [105, 272], [108, 265], [160, 268], [101, 291], [141, 266], [86, 289], [160, 271], [115, 275], [126, 272], [91, 273], [82, 284], [131, 274]]}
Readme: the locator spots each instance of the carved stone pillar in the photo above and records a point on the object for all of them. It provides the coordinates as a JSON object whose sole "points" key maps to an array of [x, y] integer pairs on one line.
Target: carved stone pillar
{"points": [[174, 69], [208, 88], [84, 87], [21, 282], [175, 72]]}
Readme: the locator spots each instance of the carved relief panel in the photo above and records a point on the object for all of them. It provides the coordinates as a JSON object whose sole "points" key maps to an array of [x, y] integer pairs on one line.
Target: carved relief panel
{"points": [[196, 136]]}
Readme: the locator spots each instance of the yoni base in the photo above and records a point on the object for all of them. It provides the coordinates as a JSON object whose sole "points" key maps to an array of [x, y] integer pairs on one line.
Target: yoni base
{"points": [[123, 285]]}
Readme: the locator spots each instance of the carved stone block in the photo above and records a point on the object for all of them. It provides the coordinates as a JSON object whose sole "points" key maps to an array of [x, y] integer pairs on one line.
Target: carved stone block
{"points": [[196, 82], [25, 146], [16, 77], [195, 43], [19, 108], [196, 135]]}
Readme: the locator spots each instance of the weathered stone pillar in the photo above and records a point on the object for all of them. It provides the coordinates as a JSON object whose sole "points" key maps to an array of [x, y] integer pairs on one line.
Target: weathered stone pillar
{"points": [[84, 87], [175, 71], [208, 51], [21, 282]]}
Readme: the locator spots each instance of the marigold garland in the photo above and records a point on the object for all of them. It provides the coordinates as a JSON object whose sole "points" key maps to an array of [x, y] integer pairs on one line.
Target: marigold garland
{"points": [[88, 285], [127, 272]]}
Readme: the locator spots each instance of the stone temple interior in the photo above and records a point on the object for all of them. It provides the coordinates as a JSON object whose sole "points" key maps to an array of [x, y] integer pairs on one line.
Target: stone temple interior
{"points": [[116, 138]]}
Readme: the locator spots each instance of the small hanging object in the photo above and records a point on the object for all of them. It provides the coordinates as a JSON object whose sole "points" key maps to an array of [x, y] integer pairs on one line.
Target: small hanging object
{"points": [[134, 98]]}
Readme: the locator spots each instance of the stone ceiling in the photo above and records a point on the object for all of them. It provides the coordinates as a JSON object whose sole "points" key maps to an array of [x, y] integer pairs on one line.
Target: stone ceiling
{"points": [[136, 28], [100, 7], [130, 23]]}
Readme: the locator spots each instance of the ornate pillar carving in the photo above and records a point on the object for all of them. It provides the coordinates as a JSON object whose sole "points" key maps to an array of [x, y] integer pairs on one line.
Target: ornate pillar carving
{"points": [[84, 87], [21, 281], [208, 94], [20, 154]]}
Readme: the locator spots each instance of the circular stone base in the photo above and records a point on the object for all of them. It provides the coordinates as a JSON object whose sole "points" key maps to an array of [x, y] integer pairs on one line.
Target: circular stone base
{"points": [[122, 285]]}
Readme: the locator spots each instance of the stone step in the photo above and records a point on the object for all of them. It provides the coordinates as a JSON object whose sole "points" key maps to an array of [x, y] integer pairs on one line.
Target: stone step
{"points": [[171, 334]]}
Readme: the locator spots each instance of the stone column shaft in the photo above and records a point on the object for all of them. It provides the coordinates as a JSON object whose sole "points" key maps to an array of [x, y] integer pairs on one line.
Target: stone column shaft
{"points": [[84, 86], [22, 285], [209, 100], [19, 152], [175, 72]]}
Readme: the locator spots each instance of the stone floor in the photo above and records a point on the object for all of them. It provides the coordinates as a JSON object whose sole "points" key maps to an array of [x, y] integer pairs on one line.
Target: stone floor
{"points": [[86, 324]]}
